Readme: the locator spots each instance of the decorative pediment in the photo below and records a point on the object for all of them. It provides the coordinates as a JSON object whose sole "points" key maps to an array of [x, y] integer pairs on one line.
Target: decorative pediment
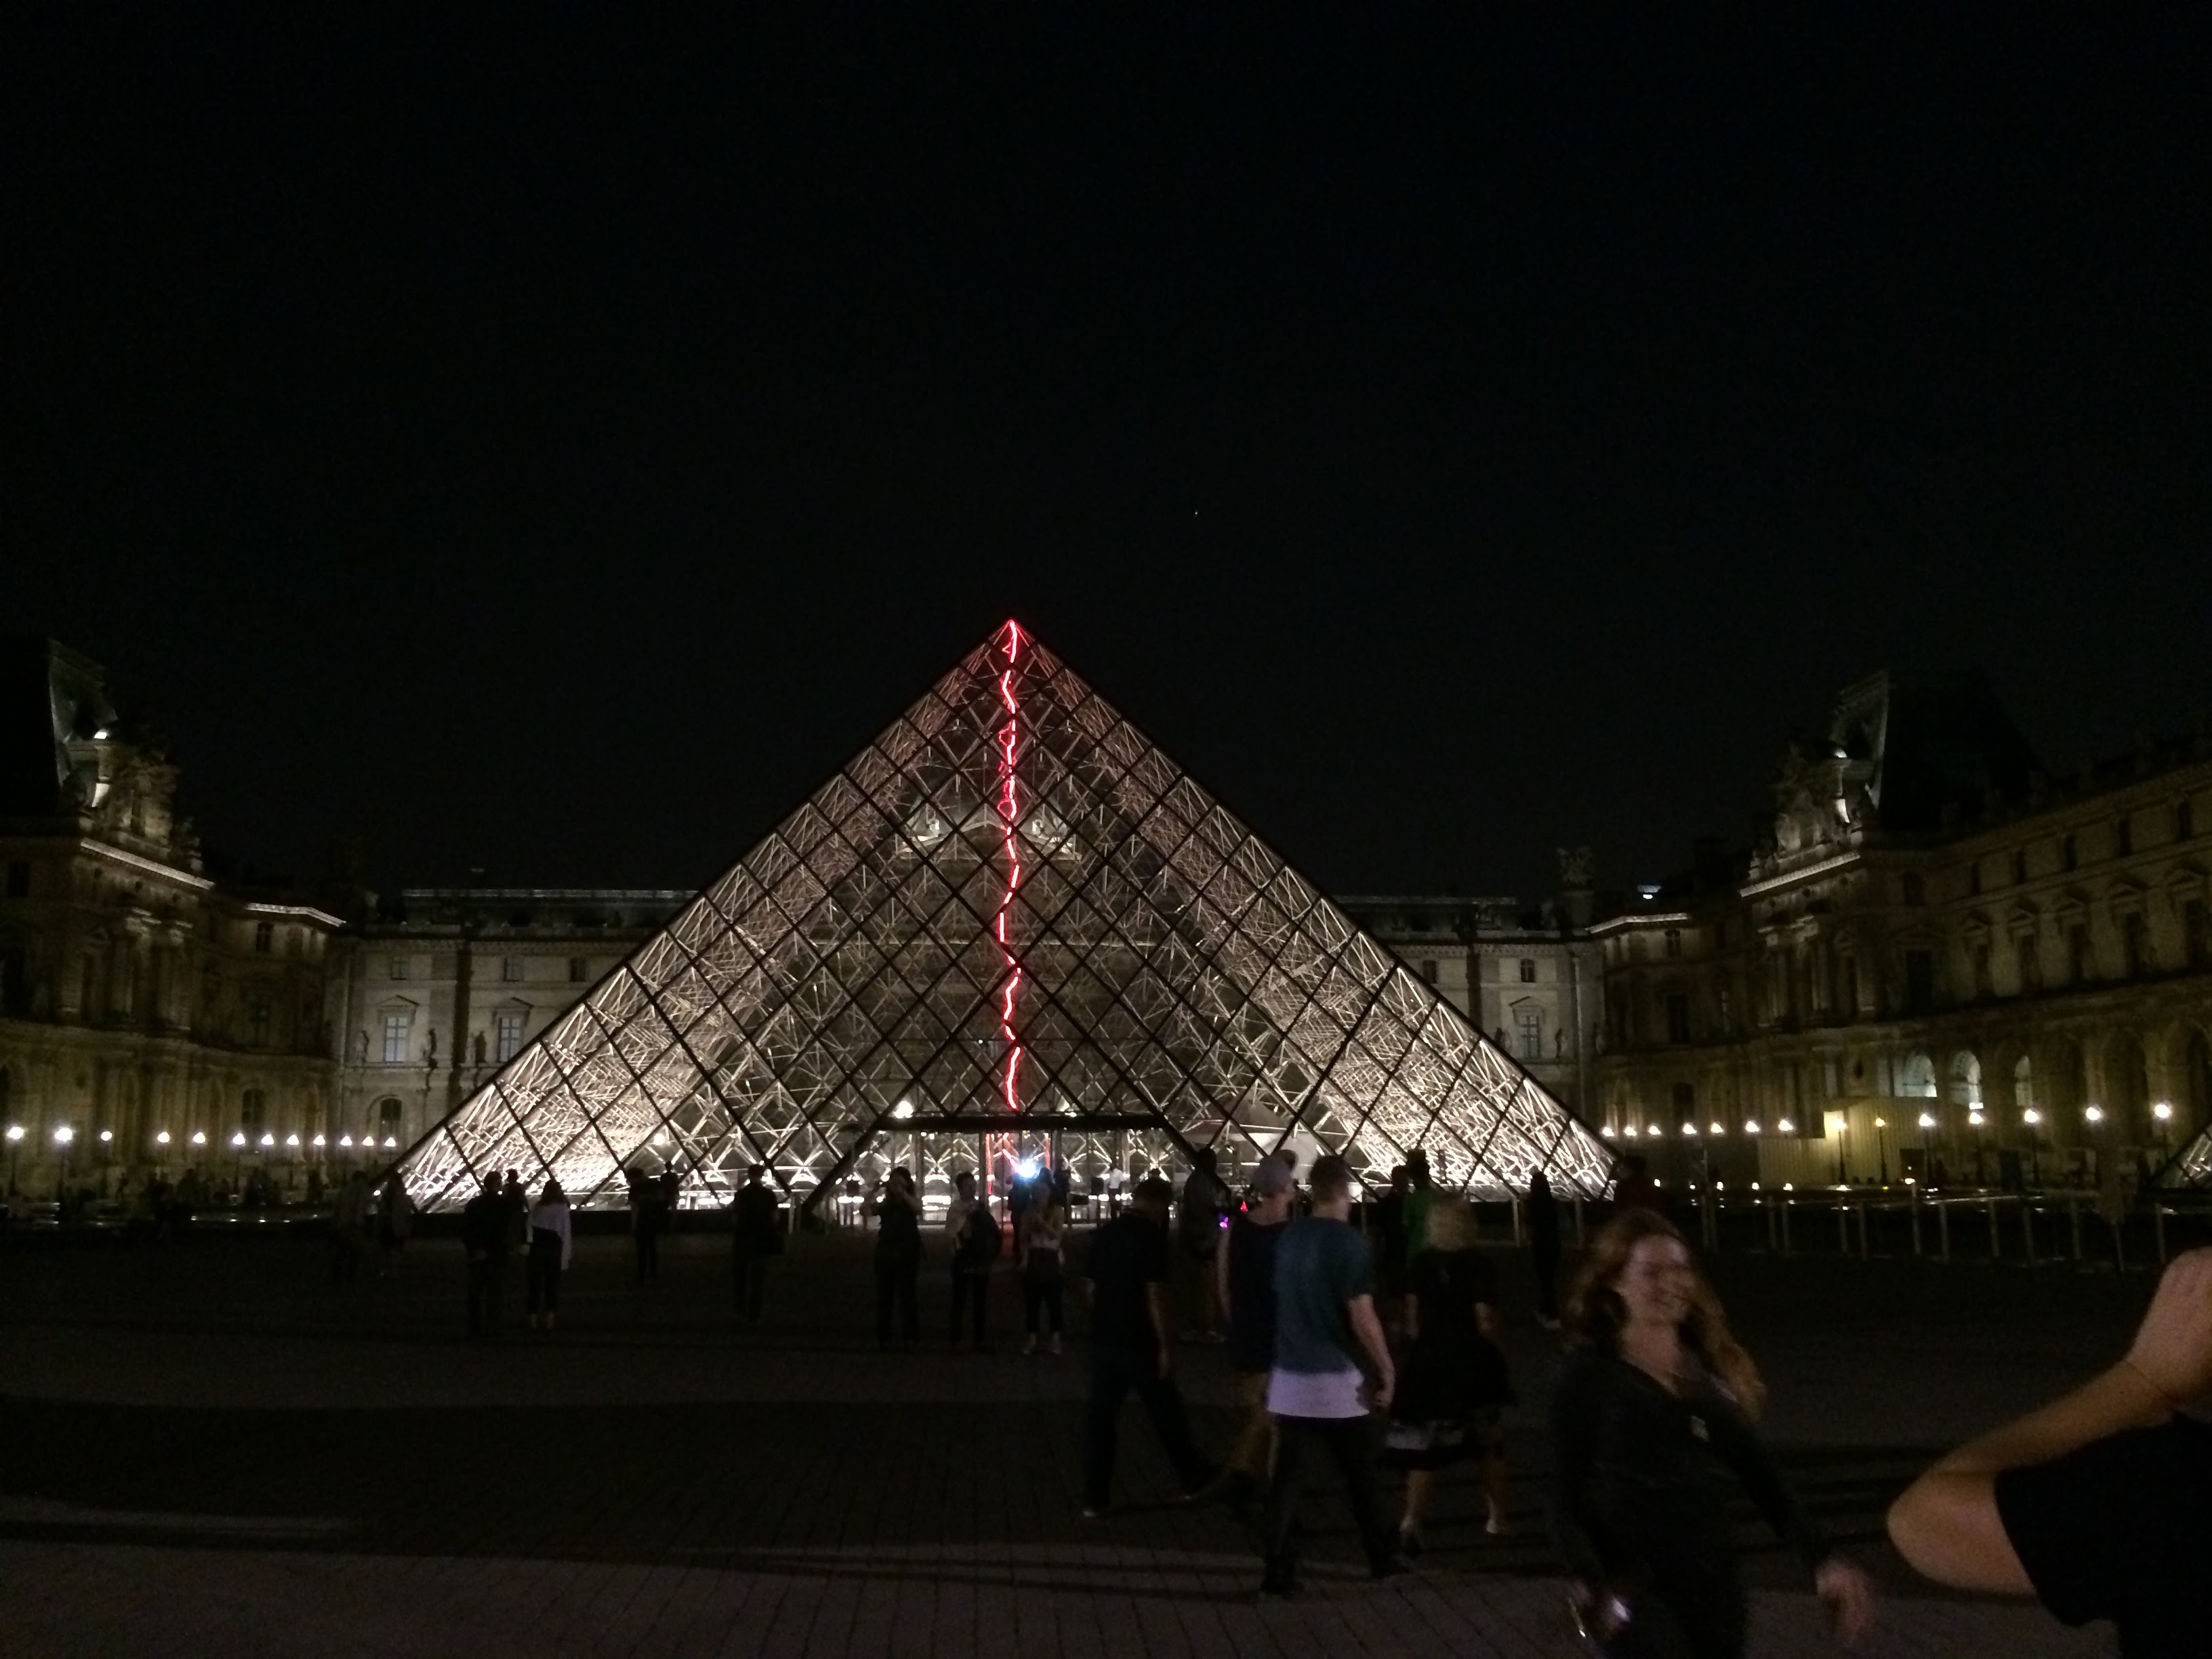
{"points": [[2022, 918], [2123, 894], [1975, 927], [2184, 880], [2071, 906]]}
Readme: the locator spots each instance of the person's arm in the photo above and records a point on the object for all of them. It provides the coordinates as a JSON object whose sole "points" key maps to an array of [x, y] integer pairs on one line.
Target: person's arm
{"points": [[1574, 1448], [1368, 1329], [1947, 1524], [1156, 1304], [1221, 1274]]}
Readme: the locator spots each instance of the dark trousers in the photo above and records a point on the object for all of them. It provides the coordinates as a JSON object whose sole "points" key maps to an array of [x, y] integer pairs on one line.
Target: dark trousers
{"points": [[1546, 1252], [750, 1262], [898, 1274], [1042, 1297], [1112, 1374], [1351, 1445], [648, 1252], [487, 1290], [969, 1286], [541, 1273]]}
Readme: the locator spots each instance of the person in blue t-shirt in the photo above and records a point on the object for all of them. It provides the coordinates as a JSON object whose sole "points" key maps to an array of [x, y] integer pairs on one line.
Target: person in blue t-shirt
{"points": [[1325, 1323]]}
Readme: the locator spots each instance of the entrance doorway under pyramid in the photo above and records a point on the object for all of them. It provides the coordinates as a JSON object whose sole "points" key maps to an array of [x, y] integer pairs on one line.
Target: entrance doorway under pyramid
{"points": [[1010, 929]]}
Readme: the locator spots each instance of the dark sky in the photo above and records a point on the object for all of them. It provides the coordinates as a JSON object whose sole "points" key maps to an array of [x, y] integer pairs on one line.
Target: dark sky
{"points": [[555, 446]]}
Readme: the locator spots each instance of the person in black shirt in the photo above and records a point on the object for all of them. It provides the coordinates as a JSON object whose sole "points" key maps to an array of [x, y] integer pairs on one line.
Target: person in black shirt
{"points": [[1246, 1274], [1650, 1418], [1544, 1249], [485, 1236], [2100, 1502], [1133, 1345], [898, 1258], [757, 1234]]}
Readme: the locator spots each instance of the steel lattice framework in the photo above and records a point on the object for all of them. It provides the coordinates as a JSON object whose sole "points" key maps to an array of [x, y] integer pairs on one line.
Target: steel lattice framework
{"points": [[1010, 914]]}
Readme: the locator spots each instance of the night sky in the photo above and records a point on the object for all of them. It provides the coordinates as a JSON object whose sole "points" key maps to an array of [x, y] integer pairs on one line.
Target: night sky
{"points": [[554, 446]]}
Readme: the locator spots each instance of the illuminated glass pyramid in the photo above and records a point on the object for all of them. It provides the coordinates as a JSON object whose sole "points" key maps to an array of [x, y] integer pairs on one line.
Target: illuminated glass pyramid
{"points": [[1011, 926]]}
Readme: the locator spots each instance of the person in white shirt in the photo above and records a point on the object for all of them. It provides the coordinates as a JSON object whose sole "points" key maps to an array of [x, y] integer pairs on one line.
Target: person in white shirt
{"points": [[549, 1243]]}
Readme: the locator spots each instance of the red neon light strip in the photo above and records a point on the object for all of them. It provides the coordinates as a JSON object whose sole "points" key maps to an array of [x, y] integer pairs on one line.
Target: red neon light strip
{"points": [[1009, 812]]}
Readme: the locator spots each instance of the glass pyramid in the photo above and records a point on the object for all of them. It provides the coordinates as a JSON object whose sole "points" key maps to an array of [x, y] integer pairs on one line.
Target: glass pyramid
{"points": [[1010, 928]]}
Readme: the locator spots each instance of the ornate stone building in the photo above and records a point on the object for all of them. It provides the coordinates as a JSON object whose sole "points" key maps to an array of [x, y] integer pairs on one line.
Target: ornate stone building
{"points": [[1526, 975], [149, 1015], [493, 965], [1940, 955]]}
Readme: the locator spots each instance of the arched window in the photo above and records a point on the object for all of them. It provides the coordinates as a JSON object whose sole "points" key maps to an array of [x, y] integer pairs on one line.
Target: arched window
{"points": [[2023, 1082], [1965, 1079], [2131, 1081], [1918, 1076], [7, 1085]]}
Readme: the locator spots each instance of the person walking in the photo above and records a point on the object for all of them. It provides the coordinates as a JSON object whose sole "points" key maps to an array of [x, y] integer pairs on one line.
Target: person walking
{"points": [[645, 1223], [1386, 1237], [550, 1240], [1544, 1249], [976, 1243], [1245, 1278], [1133, 1347], [395, 1225], [1651, 1429], [1456, 1381], [1325, 1324], [349, 1225], [1198, 1230], [1043, 1225], [484, 1237], [897, 1209], [757, 1233]]}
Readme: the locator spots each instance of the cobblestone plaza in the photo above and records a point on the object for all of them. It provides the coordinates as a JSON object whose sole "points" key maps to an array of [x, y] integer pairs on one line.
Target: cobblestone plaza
{"points": [[212, 1450]]}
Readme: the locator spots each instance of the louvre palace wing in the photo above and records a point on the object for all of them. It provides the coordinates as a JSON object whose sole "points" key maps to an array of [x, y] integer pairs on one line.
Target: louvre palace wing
{"points": [[1011, 916]]}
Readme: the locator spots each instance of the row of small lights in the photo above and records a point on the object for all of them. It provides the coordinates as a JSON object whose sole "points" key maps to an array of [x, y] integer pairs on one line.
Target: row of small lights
{"points": [[2029, 1115], [64, 1134]]}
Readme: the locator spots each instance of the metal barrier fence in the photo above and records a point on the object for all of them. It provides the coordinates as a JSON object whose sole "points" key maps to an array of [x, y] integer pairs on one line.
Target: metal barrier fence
{"points": [[1983, 1224]]}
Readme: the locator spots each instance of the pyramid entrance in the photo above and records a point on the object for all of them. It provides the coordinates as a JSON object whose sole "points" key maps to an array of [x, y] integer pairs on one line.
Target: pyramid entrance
{"points": [[1009, 928]]}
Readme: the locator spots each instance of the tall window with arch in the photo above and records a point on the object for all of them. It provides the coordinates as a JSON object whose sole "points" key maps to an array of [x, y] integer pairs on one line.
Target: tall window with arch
{"points": [[2023, 1082]]}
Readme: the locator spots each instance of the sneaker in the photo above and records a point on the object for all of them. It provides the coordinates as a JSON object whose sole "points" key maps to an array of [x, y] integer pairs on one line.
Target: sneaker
{"points": [[1093, 1511], [1409, 1543], [1029, 1343], [1055, 1344]]}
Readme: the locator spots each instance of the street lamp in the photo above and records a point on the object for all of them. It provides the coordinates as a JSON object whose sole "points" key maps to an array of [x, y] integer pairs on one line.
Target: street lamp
{"points": [[14, 1146], [63, 1135], [1881, 1147], [1927, 1122], [2033, 1118], [1974, 1123]]}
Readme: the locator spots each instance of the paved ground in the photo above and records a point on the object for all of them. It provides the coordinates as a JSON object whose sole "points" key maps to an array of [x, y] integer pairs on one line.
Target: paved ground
{"points": [[207, 1449]]}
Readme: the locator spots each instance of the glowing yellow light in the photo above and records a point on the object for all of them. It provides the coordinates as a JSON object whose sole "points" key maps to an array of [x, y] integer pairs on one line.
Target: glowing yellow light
{"points": [[1751, 1128]]}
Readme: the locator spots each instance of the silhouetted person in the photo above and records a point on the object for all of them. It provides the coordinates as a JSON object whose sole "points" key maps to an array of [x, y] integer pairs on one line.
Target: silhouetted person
{"points": [[395, 1224], [550, 1235], [645, 1223], [976, 1243], [1198, 1229], [1133, 1345], [1544, 1249], [485, 1236], [755, 1234], [350, 1225], [897, 1209], [1245, 1276], [1636, 1190], [1040, 1234]]}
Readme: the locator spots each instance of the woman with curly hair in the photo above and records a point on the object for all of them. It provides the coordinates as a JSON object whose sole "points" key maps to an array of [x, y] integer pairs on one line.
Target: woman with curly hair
{"points": [[1651, 1426]]}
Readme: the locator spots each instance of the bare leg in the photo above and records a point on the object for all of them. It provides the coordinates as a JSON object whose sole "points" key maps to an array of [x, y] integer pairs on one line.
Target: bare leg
{"points": [[1494, 1485], [1419, 1483]]}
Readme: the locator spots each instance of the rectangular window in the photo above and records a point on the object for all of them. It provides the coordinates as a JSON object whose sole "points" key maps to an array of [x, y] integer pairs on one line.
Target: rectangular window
{"points": [[395, 968], [2080, 964], [252, 1112], [2123, 837], [1724, 1008], [264, 936], [19, 876], [388, 1114], [1529, 1023], [510, 969], [1527, 970], [1915, 887], [1674, 941], [2196, 937], [1919, 982], [15, 980], [2135, 944], [2027, 957], [1847, 975], [257, 1022], [1429, 970], [507, 1036], [1678, 1018], [1685, 1104], [579, 970], [397, 1028]]}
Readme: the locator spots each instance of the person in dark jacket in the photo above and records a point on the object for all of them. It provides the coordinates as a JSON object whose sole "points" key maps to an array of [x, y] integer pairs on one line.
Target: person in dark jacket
{"points": [[757, 1234], [487, 1238], [1246, 1273], [897, 1210], [1544, 1249], [1652, 1427]]}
